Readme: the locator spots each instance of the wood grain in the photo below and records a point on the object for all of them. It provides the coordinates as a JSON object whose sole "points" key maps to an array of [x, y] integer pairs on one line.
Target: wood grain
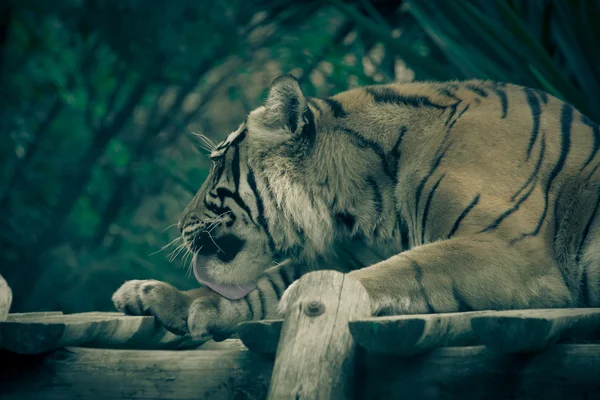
{"points": [[564, 371], [413, 334], [316, 353], [533, 330], [34, 334], [226, 371]]}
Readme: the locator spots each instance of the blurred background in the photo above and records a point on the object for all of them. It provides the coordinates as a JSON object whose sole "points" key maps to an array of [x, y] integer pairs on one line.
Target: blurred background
{"points": [[99, 101]]}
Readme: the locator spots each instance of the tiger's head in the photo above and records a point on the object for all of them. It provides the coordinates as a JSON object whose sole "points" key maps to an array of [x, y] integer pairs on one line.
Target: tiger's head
{"points": [[277, 188]]}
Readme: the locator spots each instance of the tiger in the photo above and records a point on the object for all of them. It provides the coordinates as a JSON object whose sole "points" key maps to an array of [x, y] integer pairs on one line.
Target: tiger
{"points": [[438, 197]]}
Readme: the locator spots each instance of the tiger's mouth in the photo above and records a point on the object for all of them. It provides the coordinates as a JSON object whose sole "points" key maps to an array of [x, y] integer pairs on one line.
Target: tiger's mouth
{"points": [[225, 247]]}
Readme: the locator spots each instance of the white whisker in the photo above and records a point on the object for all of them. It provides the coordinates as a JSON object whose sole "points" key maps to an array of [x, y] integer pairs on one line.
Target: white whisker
{"points": [[211, 238], [208, 143], [175, 253], [169, 227], [166, 245]]}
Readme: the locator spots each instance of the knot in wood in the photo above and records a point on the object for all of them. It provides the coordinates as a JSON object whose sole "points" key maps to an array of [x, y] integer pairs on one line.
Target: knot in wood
{"points": [[314, 308]]}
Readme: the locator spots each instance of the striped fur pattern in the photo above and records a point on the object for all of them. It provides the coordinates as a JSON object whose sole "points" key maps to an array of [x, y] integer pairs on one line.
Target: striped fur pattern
{"points": [[437, 197]]}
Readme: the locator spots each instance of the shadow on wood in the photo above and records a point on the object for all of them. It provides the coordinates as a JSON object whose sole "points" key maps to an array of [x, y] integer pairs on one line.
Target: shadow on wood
{"points": [[220, 371]]}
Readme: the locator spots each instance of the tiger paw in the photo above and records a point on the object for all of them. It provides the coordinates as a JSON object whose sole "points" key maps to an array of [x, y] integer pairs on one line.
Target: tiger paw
{"points": [[159, 299]]}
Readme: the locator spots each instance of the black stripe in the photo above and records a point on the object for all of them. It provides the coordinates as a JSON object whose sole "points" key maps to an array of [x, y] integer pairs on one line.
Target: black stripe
{"points": [[260, 208], [348, 220], [249, 304], [394, 155], [378, 197], [458, 117], [448, 93], [462, 216], [309, 130], [284, 277], [404, 238], [566, 121], [511, 210], [387, 95], [427, 207], [451, 113], [536, 169], [534, 105], [463, 305], [363, 143], [336, 108], [292, 114], [274, 287], [593, 171], [476, 89], [420, 187], [224, 193], [596, 145], [263, 303], [584, 288], [419, 278], [239, 137], [297, 272], [503, 100], [316, 105], [543, 95], [235, 168], [219, 168], [586, 230]]}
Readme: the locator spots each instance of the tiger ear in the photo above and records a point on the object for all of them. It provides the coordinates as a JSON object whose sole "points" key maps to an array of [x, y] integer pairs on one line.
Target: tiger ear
{"points": [[286, 104]]}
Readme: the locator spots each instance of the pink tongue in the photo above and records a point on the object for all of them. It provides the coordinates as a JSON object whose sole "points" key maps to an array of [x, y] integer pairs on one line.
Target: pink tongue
{"points": [[232, 292]]}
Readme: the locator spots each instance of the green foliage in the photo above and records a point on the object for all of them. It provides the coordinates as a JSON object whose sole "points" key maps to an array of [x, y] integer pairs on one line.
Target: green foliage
{"points": [[547, 44], [99, 97]]}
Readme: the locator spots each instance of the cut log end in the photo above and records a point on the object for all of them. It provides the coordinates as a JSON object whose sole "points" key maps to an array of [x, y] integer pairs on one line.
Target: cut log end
{"points": [[5, 299], [316, 351]]}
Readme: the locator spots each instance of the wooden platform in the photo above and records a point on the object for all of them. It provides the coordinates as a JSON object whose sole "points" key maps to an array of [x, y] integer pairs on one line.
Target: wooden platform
{"points": [[326, 347]]}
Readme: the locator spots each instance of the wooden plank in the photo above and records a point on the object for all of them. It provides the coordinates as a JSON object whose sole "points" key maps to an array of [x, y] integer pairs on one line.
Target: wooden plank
{"points": [[261, 336], [43, 333], [533, 330], [413, 334], [316, 352], [227, 372], [560, 372], [31, 315], [564, 371], [5, 299]]}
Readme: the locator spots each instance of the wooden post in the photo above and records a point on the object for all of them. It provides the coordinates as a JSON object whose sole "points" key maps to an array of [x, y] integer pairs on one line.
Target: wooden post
{"points": [[316, 352], [5, 299]]}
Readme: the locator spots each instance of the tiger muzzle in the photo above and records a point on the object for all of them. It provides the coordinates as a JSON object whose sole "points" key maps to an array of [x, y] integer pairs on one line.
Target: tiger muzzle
{"points": [[225, 247]]}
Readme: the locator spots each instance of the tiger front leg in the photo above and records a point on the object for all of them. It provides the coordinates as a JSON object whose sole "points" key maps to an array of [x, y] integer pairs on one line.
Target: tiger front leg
{"points": [[202, 312], [218, 317], [464, 274]]}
